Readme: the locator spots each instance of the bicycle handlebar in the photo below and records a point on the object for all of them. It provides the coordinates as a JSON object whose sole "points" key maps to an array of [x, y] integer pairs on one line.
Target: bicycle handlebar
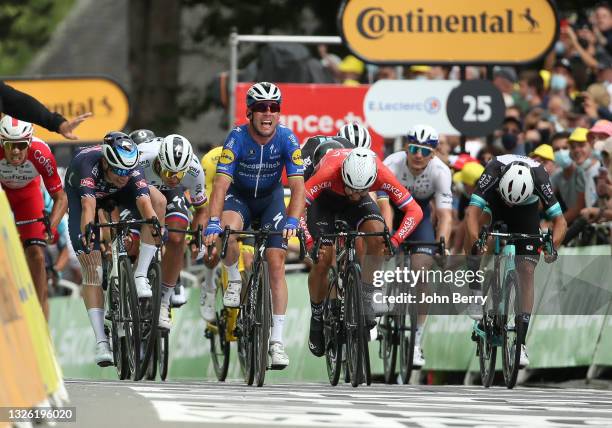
{"points": [[153, 221], [44, 220], [545, 237], [351, 234], [440, 245], [259, 233]]}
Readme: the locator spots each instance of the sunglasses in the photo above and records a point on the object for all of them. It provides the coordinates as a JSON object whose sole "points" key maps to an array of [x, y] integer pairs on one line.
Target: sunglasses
{"points": [[264, 107], [349, 191], [120, 171], [170, 174], [10, 145], [415, 149]]}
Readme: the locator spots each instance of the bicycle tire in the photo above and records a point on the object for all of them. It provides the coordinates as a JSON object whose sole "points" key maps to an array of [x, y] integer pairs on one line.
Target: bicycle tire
{"points": [[130, 315], [511, 350], [247, 328], [216, 332], [367, 372], [163, 352], [332, 330], [151, 373], [263, 324], [354, 324], [118, 344], [149, 316], [388, 331], [407, 331], [485, 346], [243, 345]]}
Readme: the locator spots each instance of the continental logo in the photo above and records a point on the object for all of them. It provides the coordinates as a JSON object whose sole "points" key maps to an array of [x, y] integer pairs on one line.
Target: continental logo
{"points": [[449, 31], [296, 157], [226, 157]]}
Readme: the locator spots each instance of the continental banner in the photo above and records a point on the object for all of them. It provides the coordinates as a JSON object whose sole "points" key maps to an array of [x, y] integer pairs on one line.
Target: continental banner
{"points": [[28, 370]]}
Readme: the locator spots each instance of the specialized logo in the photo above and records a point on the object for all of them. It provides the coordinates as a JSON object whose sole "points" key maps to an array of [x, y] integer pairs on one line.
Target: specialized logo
{"points": [[296, 157], [449, 31], [227, 157]]}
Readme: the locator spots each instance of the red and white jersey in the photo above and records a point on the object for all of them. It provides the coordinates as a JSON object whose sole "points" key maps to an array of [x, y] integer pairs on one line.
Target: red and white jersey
{"points": [[39, 162], [328, 177]]}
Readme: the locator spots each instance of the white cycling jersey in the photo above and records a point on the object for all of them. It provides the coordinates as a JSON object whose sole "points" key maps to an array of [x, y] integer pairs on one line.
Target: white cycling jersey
{"points": [[435, 180], [194, 180]]}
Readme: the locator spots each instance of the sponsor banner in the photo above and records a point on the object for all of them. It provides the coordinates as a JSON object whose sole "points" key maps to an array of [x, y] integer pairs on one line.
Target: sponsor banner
{"points": [[73, 96], [316, 109], [448, 31], [392, 107]]}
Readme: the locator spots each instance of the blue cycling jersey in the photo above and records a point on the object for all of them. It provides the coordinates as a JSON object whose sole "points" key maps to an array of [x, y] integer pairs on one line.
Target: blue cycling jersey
{"points": [[256, 169]]}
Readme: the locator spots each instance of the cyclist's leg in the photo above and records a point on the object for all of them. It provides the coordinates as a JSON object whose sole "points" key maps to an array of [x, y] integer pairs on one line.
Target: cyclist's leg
{"points": [[27, 204], [236, 215]]}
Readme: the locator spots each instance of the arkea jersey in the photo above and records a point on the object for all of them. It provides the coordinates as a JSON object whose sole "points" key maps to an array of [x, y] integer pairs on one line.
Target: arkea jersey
{"points": [[488, 184], [256, 169], [328, 177], [434, 181], [193, 180], [85, 175], [39, 162]]}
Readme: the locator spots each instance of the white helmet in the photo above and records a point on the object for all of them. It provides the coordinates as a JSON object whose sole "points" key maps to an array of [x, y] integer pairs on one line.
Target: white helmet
{"points": [[15, 129], [356, 134], [359, 169], [516, 184], [263, 91], [423, 135], [175, 153]]}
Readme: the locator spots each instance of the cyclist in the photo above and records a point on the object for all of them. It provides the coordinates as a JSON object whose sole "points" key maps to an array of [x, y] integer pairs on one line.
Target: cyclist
{"points": [[317, 146], [97, 174], [140, 136], [248, 179], [357, 134], [23, 160], [339, 189], [427, 178], [513, 187], [169, 165]]}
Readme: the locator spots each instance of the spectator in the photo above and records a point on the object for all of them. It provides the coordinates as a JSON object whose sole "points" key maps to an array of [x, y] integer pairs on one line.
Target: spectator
{"points": [[569, 182], [545, 155], [419, 72], [464, 184], [512, 137], [603, 26], [24, 107], [562, 80], [599, 134], [603, 210], [504, 78], [581, 151], [351, 69]]}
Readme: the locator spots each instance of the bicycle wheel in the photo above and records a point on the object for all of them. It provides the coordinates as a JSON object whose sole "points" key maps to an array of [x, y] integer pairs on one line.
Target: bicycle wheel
{"points": [[388, 332], [243, 345], [246, 339], [263, 323], [486, 346], [216, 331], [354, 325], [130, 316], [367, 373], [117, 333], [407, 335], [163, 351], [151, 373], [332, 329], [149, 316], [511, 353]]}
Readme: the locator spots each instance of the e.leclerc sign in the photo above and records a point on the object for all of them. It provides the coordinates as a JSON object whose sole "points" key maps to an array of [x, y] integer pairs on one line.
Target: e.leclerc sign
{"points": [[448, 31]]}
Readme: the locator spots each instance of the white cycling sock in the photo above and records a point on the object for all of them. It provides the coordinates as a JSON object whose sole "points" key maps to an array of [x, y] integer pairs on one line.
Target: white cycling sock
{"points": [[209, 278], [277, 328], [233, 274], [147, 252], [167, 292], [96, 318], [417, 336]]}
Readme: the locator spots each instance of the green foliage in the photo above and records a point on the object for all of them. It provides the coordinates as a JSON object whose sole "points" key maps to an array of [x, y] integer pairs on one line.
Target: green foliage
{"points": [[25, 26]]}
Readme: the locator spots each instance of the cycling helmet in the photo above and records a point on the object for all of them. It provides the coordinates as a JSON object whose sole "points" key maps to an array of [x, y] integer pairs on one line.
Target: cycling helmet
{"points": [[263, 91], [15, 129], [323, 148], [356, 134], [142, 136], [359, 169], [175, 153], [120, 151], [516, 184], [423, 135]]}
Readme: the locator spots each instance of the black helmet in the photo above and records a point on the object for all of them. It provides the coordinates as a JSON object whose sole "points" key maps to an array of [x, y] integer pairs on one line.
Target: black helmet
{"points": [[142, 136], [325, 147], [120, 151]]}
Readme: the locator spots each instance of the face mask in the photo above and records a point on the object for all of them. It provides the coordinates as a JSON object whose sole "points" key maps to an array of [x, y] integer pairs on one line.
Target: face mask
{"points": [[559, 48], [558, 82], [585, 165], [562, 158], [421, 77], [597, 155], [509, 141]]}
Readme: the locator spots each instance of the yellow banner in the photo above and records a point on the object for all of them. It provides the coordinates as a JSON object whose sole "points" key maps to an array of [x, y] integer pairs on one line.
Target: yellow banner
{"points": [[449, 31], [74, 96]]}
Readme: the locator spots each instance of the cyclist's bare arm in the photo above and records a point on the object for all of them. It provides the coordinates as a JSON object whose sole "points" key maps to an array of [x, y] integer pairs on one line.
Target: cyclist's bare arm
{"points": [[60, 206], [559, 229], [298, 200], [386, 211], [220, 186], [88, 211], [445, 222]]}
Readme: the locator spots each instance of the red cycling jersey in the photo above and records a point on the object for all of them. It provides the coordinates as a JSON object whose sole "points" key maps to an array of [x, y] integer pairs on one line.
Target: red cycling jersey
{"points": [[39, 162], [328, 176]]}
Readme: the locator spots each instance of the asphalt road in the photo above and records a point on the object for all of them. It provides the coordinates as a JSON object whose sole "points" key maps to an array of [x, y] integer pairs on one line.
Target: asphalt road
{"points": [[189, 404]]}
